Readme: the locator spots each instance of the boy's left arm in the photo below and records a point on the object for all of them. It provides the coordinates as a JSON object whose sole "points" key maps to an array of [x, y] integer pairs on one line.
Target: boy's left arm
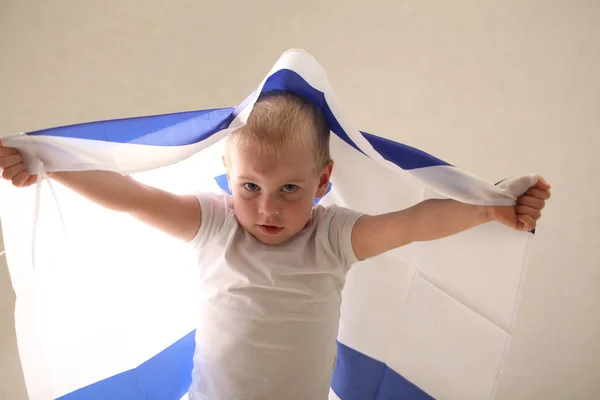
{"points": [[436, 219]]}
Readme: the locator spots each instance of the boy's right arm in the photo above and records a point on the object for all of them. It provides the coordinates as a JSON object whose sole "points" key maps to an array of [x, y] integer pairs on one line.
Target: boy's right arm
{"points": [[176, 215]]}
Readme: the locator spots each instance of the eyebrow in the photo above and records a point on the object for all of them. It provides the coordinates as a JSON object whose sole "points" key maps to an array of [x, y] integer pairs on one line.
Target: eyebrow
{"points": [[245, 178]]}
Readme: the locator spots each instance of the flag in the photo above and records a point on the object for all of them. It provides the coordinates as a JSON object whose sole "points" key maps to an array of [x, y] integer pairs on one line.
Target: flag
{"points": [[105, 305]]}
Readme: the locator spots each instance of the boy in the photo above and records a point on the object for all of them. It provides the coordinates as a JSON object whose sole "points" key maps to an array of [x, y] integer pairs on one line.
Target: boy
{"points": [[272, 264]]}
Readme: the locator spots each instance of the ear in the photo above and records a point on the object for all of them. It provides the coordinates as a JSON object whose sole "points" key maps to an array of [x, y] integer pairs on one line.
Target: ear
{"points": [[324, 178]]}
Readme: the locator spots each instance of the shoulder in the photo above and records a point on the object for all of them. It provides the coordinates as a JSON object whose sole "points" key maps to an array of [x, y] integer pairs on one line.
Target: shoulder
{"points": [[217, 216], [213, 201], [334, 225], [335, 216]]}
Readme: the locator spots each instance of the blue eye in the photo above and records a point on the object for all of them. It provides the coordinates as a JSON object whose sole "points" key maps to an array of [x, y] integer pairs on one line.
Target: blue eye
{"points": [[289, 188], [251, 187]]}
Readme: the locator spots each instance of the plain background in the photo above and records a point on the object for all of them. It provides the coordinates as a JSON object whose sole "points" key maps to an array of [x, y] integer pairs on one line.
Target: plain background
{"points": [[496, 88]]}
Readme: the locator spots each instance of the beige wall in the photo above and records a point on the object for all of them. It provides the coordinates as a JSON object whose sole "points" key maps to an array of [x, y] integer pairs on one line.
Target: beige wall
{"points": [[497, 88]]}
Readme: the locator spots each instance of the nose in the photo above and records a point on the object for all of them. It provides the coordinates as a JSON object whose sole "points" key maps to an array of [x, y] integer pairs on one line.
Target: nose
{"points": [[269, 206]]}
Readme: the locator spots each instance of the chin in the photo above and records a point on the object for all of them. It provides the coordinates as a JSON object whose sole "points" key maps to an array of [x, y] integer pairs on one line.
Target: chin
{"points": [[272, 240]]}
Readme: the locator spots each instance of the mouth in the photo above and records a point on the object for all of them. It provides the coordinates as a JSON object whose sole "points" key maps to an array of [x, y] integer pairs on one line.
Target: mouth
{"points": [[270, 229]]}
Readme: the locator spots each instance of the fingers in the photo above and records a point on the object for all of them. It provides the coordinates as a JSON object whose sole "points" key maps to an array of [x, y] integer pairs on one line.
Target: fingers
{"points": [[534, 213], [24, 179], [21, 178], [19, 175], [542, 183], [10, 160], [527, 222], [11, 172], [531, 201], [30, 181], [6, 151], [538, 193], [530, 204], [13, 168]]}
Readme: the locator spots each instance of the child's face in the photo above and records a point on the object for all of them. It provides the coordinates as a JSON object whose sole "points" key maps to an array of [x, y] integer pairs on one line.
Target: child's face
{"points": [[273, 195]]}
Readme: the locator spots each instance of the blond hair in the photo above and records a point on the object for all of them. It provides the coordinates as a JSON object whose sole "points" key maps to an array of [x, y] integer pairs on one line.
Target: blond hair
{"points": [[283, 119]]}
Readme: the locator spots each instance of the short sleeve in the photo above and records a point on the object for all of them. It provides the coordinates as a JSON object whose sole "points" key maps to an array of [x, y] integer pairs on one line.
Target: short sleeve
{"points": [[215, 209], [341, 223]]}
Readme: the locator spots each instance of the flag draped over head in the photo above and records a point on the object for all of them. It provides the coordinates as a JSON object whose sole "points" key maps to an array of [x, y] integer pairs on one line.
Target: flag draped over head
{"points": [[105, 305]]}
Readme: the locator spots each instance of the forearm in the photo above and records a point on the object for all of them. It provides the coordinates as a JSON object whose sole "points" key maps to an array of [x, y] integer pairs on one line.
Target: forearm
{"points": [[107, 189], [436, 218], [178, 216]]}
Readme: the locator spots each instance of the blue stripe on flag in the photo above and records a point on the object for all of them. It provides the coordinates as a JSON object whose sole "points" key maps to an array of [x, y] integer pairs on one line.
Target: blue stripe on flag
{"points": [[406, 157], [177, 129], [223, 183], [360, 377], [286, 79], [166, 376], [194, 126]]}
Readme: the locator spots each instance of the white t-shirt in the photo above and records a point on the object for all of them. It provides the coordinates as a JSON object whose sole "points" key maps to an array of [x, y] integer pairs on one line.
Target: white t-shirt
{"points": [[268, 318]]}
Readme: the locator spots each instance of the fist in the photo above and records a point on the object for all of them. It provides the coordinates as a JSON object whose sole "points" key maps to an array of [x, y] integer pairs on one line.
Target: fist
{"points": [[13, 168], [528, 211]]}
